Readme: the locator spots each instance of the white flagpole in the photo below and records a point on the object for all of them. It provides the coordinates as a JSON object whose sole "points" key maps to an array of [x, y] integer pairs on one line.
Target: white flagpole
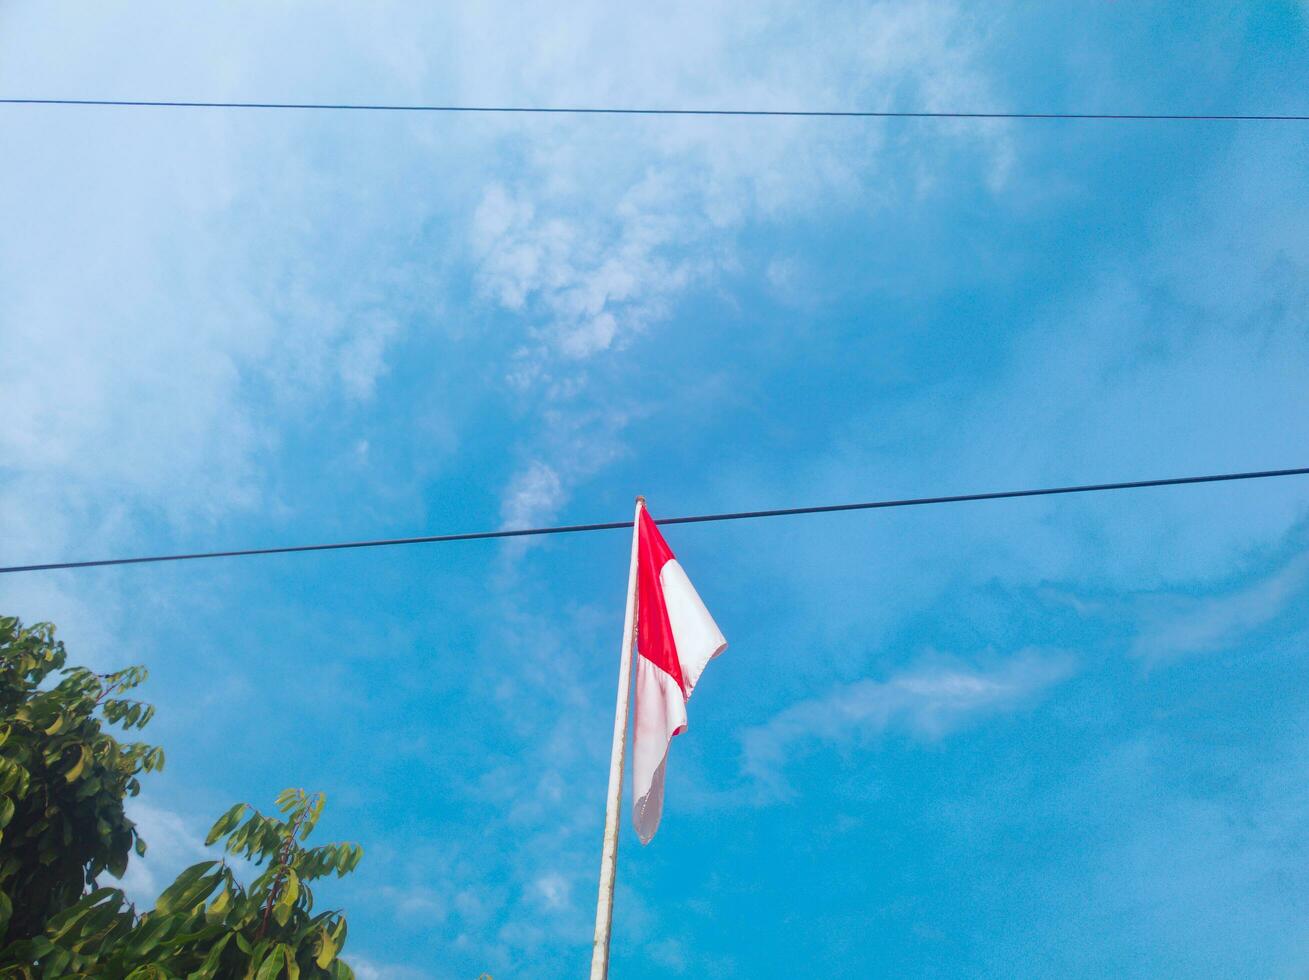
{"points": [[604, 910]]}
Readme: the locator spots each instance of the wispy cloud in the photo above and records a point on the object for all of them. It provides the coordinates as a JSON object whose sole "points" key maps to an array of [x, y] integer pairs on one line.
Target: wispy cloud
{"points": [[534, 495], [928, 703], [416, 902], [1176, 625], [367, 968], [586, 280], [602, 229], [172, 844]]}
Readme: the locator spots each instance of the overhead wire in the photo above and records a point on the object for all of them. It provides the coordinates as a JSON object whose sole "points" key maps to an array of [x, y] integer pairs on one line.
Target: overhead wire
{"points": [[631, 111], [652, 111], [693, 519]]}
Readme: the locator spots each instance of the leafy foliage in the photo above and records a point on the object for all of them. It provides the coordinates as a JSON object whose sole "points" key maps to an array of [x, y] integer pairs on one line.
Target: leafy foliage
{"points": [[63, 780]]}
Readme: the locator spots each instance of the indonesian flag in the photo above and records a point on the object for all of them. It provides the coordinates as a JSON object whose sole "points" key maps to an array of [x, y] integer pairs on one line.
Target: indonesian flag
{"points": [[675, 638]]}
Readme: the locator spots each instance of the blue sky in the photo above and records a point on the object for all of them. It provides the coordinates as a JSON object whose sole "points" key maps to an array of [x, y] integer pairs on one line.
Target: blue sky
{"points": [[1060, 737]]}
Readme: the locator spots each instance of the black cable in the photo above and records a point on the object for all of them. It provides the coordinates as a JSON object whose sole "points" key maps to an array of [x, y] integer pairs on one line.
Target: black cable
{"points": [[580, 110], [697, 519]]}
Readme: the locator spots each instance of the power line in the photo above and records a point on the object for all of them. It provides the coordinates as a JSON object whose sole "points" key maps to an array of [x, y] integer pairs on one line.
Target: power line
{"points": [[695, 519], [631, 111]]}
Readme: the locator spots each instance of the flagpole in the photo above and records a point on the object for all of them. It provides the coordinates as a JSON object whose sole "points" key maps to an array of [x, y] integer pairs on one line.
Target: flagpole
{"points": [[604, 910]]}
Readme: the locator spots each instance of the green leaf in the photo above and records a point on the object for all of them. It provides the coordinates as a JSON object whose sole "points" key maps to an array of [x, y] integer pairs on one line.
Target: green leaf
{"points": [[84, 757], [209, 968], [59, 925], [354, 854], [311, 818], [149, 934], [57, 962], [148, 972], [286, 898], [326, 948], [289, 798], [226, 822], [190, 889], [89, 787], [219, 906], [117, 864], [272, 964]]}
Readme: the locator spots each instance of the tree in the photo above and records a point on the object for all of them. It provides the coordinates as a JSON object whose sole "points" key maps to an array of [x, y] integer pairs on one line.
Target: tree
{"points": [[64, 778]]}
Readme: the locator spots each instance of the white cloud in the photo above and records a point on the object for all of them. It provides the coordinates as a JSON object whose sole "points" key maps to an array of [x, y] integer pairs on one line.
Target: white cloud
{"points": [[668, 953], [416, 902], [533, 497], [363, 355], [928, 702], [370, 969], [587, 278], [223, 275], [608, 223], [172, 845], [553, 890], [579, 442], [1176, 625], [365, 969]]}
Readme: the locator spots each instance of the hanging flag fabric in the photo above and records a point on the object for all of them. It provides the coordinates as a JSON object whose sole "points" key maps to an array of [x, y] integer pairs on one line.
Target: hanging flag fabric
{"points": [[676, 637]]}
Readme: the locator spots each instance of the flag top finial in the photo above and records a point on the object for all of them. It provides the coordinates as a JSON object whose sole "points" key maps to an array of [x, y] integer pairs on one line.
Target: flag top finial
{"points": [[640, 499]]}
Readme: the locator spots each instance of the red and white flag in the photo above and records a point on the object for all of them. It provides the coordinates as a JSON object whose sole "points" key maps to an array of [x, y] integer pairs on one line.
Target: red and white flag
{"points": [[676, 637]]}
